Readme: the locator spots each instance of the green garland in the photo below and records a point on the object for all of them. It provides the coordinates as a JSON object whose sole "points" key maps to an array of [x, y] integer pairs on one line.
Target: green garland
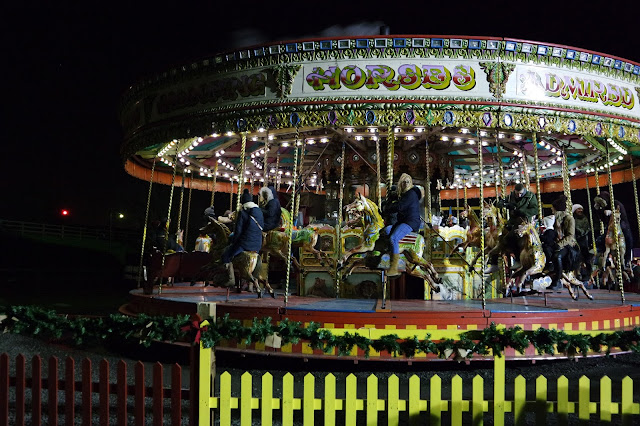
{"points": [[144, 329]]}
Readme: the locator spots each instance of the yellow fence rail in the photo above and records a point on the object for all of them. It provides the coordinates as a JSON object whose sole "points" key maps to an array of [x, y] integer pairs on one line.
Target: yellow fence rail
{"points": [[299, 403]]}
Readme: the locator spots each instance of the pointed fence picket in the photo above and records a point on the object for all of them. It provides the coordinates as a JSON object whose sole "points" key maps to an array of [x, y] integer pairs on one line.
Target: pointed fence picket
{"points": [[309, 401], [13, 410]]}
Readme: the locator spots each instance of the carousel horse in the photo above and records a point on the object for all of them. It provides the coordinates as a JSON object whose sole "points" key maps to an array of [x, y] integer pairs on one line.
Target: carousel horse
{"points": [[610, 251], [495, 222], [246, 266], [276, 241], [533, 261], [372, 246]]}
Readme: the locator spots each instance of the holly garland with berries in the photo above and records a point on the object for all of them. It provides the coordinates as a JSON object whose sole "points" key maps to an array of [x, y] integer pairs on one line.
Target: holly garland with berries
{"points": [[144, 329]]}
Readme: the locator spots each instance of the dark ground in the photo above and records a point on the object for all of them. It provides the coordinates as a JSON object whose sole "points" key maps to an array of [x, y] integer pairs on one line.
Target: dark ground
{"points": [[97, 288]]}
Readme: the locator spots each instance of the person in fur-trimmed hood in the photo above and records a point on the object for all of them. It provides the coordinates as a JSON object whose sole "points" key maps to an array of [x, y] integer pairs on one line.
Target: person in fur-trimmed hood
{"points": [[247, 235], [270, 206], [408, 208]]}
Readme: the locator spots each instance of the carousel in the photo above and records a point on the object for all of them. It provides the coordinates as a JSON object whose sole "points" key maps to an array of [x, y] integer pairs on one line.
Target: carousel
{"points": [[333, 124]]}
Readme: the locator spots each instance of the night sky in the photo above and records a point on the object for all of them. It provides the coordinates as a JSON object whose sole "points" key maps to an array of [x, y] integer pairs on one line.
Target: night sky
{"points": [[66, 67]]}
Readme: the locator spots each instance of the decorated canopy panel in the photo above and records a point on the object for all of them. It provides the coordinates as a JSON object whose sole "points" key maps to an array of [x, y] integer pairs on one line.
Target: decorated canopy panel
{"points": [[452, 95]]}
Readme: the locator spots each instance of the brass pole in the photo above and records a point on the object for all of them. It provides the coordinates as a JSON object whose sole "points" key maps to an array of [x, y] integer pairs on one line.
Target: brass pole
{"points": [[146, 223], [339, 226], [635, 194], [616, 224], [566, 184], [481, 195], [293, 215], [168, 223], [593, 236], [536, 165], [378, 191], [243, 148]]}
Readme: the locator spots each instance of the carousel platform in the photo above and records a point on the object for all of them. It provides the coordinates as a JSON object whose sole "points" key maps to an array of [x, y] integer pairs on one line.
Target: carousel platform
{"points": [[406, 317]]}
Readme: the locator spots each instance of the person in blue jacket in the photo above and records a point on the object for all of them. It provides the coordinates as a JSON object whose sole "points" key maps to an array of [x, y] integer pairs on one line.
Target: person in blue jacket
{"points": [[408, 219], [270, 206], [247, 235]]}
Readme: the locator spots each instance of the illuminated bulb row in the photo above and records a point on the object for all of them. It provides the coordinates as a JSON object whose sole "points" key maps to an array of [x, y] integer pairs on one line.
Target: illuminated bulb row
{"points": [[167, 147], [257, 153], [618, 148], [550, 163], [604, 166], [225, 164]]}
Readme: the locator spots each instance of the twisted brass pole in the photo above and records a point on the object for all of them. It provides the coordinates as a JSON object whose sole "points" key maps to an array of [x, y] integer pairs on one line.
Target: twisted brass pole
{"points": [[339, 226], [293, 214], [616, 225], [635, 194], [168, 223], [536, 165], [481, 195], [146, 223], [566, 184], [243, 148], [593, 236], [215, 182], [378, 191]]}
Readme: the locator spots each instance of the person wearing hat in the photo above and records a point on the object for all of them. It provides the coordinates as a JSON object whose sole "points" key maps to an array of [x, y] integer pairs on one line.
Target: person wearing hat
{"points": [[521, 202], [567, 251], [247, 234], [523, 205], [601, 205], [408, 209]]}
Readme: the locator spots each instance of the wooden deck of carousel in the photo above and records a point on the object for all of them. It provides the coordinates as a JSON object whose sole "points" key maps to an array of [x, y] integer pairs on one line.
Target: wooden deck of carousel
{"points": [[406, 317]]}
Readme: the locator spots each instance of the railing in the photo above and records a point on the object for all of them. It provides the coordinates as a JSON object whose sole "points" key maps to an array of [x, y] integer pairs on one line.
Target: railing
{"points": [[304, 403], [131, 403], [44, 230]]}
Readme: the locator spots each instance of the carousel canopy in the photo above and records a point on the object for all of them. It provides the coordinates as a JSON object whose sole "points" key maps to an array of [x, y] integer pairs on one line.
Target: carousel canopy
{"points": [[528, 107]]}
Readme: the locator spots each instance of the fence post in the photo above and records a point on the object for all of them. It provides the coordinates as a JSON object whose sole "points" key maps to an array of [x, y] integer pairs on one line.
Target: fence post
{"points": [[498, 388], [204, 383]]}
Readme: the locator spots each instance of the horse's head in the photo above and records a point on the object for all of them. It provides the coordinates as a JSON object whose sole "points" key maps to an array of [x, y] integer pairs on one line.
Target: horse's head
{"points": [[220, 230], [358, 205]]}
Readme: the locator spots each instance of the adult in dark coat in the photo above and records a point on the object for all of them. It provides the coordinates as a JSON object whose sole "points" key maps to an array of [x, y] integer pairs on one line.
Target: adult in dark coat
{"points": [[247, 235], [522, 201], [408, 208], [601, 204], [567, 250], [270, 206], [389, 207], [523, 205]]}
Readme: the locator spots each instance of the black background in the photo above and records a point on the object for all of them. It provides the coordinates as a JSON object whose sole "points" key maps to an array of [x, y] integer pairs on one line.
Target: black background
{"points": [[65, 67]]}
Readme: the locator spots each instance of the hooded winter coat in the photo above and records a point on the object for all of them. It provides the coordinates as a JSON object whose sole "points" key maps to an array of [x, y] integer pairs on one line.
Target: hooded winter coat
{"points": [[566, 228], [408, 207], [527, 204], [247, 233], [271, 210]]}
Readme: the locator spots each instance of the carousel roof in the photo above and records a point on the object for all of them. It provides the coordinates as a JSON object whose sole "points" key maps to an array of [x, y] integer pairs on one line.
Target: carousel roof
{"points": [[528, 106]]}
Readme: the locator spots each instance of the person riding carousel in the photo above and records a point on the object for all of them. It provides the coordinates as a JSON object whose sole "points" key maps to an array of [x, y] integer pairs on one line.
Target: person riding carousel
{"points": [[567, 251], [601, 204], [408, 220], [247, 235], [270, 206], [523, 205]]}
